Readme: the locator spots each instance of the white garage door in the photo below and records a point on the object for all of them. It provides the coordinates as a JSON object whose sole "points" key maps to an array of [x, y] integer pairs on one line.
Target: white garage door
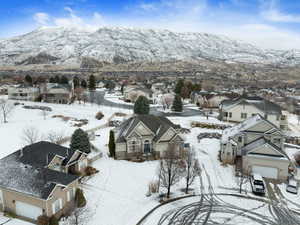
{"points": [[27, 210], [267, 172]]}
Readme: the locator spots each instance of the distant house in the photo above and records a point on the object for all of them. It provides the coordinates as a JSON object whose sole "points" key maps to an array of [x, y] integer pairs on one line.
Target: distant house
{"points": [[132, 94], [23, 92], [39, 180], [209, 99], [256, 146], [146, 135], [4, 89], [56, 93], [239, 109]]}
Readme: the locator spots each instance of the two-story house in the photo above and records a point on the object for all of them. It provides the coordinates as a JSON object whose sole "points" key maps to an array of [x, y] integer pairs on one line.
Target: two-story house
{"points": [[56, 93], [258, 146], [40, 179], [239, 109], [23, 92], [146, 135]]}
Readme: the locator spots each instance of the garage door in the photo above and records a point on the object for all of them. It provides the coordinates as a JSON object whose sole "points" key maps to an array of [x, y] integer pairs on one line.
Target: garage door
{"points": [[27, 210], [267, 172]]}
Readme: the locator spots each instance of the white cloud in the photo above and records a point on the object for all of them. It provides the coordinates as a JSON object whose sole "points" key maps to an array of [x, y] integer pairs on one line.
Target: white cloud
{"points": [[41, 18], [271, 12], [191, 16]]}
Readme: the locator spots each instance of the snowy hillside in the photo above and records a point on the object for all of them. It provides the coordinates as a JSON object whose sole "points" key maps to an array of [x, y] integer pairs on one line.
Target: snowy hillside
{"points": [[118, 45]]}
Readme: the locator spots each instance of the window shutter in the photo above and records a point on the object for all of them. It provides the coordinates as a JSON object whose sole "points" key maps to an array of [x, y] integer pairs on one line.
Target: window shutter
{"points": [[53, 207], [68, 196]]}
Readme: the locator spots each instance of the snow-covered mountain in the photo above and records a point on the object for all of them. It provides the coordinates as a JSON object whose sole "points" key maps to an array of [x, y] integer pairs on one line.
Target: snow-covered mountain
{"points": [[70, 46]]}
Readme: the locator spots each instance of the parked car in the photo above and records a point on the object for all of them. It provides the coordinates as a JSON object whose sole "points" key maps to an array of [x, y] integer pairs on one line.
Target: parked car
{"points": [[257, 184], [292, 186]]}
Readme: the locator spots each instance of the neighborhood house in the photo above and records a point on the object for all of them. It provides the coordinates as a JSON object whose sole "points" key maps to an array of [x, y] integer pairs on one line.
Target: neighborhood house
{"points": [[146, 135], [40, 179]]}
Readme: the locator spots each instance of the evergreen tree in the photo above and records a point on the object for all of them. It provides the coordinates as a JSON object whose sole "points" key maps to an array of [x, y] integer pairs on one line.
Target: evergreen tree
{"points": [[52, 80], [178, 87], [28, 79], [83, 84], [92, 83], [64, 80], [56, 79], [76, 82], [112, 144], [141, 105], [80, 141], [122, 89], [177, 104], [79, 198]]}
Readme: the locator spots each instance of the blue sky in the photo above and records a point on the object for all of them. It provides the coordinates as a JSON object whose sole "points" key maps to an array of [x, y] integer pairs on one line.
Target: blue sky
{"points": [[266, 23]]}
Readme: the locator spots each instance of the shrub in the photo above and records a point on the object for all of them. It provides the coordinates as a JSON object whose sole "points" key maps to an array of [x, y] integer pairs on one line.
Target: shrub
{"points": [[99, 115], [10, 214], [53, 221], [90, 171], [43, 220], [79, 198], [153, 187]]}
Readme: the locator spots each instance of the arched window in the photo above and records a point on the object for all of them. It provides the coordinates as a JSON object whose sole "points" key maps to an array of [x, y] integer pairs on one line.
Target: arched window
{"points": [[147, 146]]}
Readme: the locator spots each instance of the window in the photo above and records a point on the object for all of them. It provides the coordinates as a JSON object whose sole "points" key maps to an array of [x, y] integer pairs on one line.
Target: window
{"points": [[266, 116], [57, 205], [225, 114], [277, 117], [71, 194], [254, 114], [133, 145], [277, 140], [282, 127], [230, 115], [244, 115]]}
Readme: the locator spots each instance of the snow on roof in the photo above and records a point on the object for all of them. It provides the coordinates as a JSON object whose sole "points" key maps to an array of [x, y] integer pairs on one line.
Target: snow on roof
{"points": [[257, 176], [232, 131]]}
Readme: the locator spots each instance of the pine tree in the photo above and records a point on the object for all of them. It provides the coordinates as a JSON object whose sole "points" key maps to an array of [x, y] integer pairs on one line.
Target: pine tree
{"points": [[112, 144], [79, 198], [92, 83], [56, 79], [83, 84], [141, 106], [177, 104], [80, 141], [64, 80], [75, 82], [178, 87], [52, 80], [28, 79]]}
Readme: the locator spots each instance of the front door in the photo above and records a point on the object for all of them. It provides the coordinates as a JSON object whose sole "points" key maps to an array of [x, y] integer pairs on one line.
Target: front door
{"points": [[147, 147]]}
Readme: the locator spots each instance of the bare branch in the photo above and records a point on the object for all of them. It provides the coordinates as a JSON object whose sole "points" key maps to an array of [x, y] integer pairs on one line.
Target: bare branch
{"points": [[6, 109]]}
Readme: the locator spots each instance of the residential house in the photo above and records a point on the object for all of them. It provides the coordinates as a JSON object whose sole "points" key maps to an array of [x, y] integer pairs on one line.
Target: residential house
{"points": [[23, 92], [132, 93], [146, 135], [4, 89], [40, 179], [256, 146], [209, 99], [239, 109], [56, 93]]}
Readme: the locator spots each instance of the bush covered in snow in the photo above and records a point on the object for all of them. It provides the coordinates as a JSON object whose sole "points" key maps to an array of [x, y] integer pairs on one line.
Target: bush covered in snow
{"points": [[99, 115]]}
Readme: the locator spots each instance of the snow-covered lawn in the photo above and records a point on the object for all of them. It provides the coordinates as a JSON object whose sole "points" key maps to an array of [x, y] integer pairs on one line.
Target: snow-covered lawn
{"points": [[11, 221], [21, 118]]}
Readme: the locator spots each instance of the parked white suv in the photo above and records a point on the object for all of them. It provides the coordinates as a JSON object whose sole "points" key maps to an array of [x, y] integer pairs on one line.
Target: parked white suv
{"points": [[257, 184]]}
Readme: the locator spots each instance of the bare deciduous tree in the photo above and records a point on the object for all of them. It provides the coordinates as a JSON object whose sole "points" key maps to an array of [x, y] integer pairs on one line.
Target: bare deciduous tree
{"points": [[170, 170], [192, 168], [31, 135], [6, 109], [55, 136]]}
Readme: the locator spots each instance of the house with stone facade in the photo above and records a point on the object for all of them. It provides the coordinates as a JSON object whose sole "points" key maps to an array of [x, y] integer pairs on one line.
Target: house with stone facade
{"points": [[256, 146], [239, 109], [146, 136], [40, 179]]}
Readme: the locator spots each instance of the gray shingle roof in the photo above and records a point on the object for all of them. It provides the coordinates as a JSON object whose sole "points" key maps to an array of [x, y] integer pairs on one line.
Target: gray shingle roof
{"points": [[38, 182], [260, 103], [41, 153], [157, 124]]}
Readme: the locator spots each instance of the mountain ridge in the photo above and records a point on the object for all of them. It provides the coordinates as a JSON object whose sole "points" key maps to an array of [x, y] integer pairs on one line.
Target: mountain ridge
{"points": [[69, 46]]}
